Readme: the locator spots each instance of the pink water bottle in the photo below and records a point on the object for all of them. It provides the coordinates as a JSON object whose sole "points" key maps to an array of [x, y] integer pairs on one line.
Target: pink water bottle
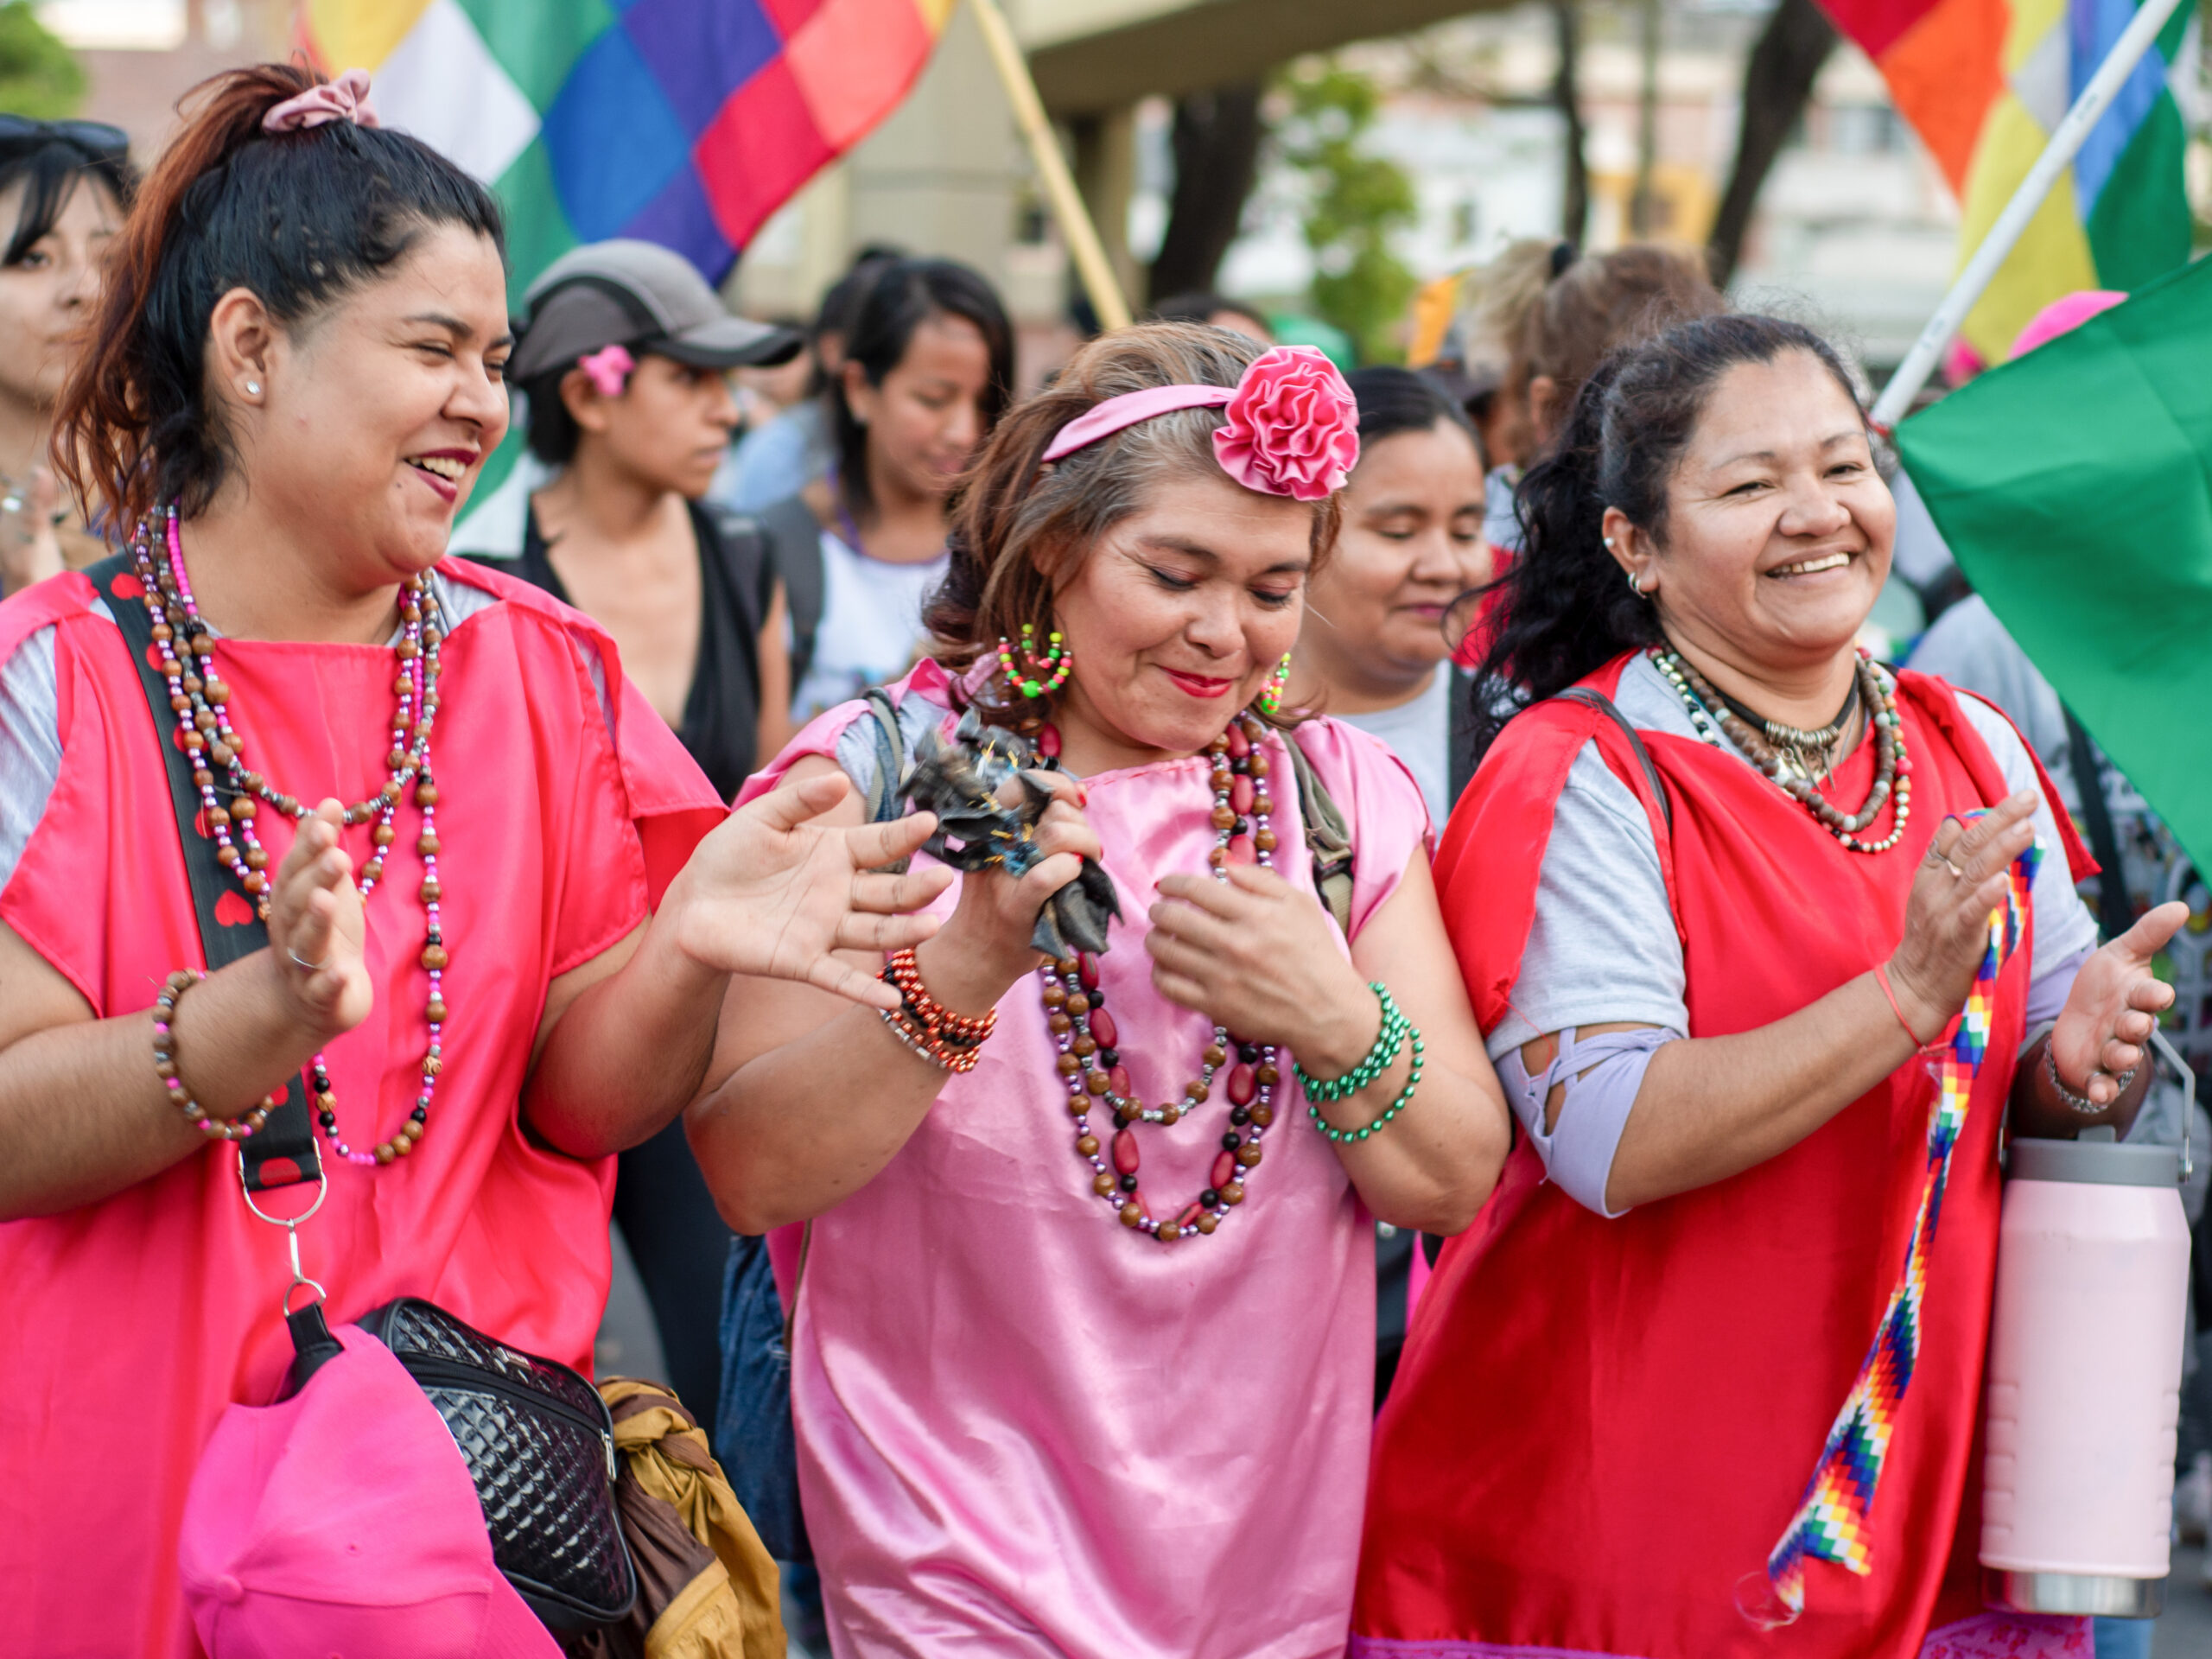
{"points": [[2085, 1358]]}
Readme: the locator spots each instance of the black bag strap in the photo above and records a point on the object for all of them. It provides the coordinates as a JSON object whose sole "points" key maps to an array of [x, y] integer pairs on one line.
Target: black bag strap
{"points": [[1459, 739], [795, 544], [283, 1151], [2115, 910], [1606, 706]]}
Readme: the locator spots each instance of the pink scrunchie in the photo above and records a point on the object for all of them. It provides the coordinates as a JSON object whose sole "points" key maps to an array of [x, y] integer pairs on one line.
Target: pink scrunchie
{"points": [[1292, 424], [346, 99]]}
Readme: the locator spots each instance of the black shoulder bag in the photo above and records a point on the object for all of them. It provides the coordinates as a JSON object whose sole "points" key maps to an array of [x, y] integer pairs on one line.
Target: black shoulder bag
{"points": [[535, 1434]]}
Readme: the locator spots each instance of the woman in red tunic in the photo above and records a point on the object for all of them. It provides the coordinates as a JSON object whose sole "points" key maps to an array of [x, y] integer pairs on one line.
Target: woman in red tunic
{"points": [[502, 966], [1705, 975]]}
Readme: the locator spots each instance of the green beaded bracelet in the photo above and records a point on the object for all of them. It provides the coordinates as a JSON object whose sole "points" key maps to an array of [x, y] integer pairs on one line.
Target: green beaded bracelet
{"points": [[1405, 1095], [1376, 1061]]}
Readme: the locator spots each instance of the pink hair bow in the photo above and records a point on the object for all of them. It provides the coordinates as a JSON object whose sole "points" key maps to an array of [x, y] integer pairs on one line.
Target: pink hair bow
{"points": [[346, 99], [608, 368]]}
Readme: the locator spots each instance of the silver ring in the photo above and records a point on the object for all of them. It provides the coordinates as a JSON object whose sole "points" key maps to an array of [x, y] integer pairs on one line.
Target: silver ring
{"points": [[306, 967], [1935, 856]]}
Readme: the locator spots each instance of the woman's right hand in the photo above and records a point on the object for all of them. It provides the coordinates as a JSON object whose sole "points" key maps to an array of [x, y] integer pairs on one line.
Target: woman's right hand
{"points": [[1960, 879], [316, 930], [984, 947]]}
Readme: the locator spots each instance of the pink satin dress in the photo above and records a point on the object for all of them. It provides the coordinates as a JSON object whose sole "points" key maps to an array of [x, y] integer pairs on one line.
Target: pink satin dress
{"points": [[1026, 1429], [127, 1325]]}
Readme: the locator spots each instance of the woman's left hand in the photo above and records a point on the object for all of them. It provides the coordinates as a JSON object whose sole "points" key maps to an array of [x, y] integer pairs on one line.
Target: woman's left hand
{"points": [[2104, 1031], [1259, 956], [775, 894]]}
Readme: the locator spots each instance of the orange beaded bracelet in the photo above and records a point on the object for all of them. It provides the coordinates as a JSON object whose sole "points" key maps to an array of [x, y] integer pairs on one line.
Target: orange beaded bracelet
{"points": [[902, 972]]}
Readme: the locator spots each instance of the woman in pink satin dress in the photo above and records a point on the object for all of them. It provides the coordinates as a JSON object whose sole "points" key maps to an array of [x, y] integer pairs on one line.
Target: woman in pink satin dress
{"points": [[1083, 1304]]}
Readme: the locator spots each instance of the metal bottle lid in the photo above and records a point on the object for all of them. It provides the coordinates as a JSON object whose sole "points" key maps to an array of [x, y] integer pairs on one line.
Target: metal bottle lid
{"points": [[2098, 1164]]}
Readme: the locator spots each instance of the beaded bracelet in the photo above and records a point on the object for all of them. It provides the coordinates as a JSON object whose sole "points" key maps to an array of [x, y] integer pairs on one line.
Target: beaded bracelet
{"points": [[1405, 1095], [214, 1128], [935, 1048], [902, 971], [2082, 1103], [1384, 1050]]}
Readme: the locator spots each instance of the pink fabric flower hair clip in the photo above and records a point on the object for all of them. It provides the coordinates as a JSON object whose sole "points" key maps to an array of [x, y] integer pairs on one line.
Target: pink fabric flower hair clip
{"points": [[1292, 426], [608, 369], [346, 99]]}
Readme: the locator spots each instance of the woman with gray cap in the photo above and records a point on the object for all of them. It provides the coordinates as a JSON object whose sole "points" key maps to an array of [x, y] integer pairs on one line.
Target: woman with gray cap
{"points": [[623, 353]]}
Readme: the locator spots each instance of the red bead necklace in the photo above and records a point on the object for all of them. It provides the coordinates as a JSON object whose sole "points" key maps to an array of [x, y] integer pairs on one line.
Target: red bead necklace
{"points": [[200, 701], [1089, 1060]]}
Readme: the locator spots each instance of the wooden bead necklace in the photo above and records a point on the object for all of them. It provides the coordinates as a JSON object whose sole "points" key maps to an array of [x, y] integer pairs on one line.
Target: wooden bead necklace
{"points": [[1892, 765], [200, 701], [1089, 1060]]}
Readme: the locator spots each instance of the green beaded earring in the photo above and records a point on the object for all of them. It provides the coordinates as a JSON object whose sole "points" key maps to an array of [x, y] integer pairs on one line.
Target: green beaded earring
{"points": [[1271, 692], [1037, 677]]}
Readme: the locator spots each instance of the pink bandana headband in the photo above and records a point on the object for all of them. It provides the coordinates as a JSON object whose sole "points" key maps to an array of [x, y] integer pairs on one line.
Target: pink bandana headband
{"points": [[1293, 427], [346, 99]]}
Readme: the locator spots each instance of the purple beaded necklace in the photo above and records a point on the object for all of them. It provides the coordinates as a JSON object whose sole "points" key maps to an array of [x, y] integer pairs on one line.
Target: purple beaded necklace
{"points": [[201, 701]]}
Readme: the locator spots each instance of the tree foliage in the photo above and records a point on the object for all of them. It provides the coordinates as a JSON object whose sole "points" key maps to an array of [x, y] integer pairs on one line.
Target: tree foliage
{"points": [[39, 78], [1354, 201]]}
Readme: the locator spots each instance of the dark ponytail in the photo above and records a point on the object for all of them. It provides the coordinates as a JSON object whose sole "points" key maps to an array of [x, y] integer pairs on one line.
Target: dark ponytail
{"points": [[1564, 608], [299, 217]]}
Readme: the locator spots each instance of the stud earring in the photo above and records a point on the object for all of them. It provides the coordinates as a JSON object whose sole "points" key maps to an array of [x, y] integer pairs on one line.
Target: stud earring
{"points": [[1037, 677], [253, 388], [1270, 697]]}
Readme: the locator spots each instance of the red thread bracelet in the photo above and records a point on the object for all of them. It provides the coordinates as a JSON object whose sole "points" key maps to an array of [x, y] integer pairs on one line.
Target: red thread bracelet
{"points": [[1935, 1045]]}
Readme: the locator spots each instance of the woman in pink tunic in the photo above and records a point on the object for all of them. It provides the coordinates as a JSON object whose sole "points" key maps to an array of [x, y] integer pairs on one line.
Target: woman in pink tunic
{"points": [[1084, 1310], [294, 379]]}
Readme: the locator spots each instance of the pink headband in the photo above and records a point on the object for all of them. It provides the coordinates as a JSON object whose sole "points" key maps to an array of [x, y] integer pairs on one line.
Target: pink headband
{"points": [[1293, 427], [346, 99]]}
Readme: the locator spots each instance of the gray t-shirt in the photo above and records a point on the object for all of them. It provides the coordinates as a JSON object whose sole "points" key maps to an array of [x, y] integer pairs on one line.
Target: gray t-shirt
{"points": [[1418, 731], [1603, 946]]}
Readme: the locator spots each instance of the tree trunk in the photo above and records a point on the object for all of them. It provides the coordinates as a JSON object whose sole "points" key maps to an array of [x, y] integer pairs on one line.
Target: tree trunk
{"points": [[1777, 82], [1217, 146], [1574, 197]]}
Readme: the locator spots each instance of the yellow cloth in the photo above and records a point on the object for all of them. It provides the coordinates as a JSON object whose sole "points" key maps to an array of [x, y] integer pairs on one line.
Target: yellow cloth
{"points": [[719, 1615]]}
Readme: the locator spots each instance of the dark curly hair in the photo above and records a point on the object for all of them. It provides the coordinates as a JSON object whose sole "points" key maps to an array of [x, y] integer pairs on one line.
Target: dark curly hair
{"points": [[1563, 609]]}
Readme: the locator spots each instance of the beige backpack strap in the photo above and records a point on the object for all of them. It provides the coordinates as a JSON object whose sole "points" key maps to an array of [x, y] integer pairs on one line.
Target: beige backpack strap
{"points": [[1328, 836]]}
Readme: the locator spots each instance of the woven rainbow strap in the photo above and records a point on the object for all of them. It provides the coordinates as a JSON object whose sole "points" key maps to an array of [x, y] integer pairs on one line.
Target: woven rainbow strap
{"points": [[1835, 1521]]}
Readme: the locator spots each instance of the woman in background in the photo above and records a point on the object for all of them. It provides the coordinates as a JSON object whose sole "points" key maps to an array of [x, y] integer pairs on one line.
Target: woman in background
{"points": [[624, 358], [64, 186], [1372, 649], [928, 369]]}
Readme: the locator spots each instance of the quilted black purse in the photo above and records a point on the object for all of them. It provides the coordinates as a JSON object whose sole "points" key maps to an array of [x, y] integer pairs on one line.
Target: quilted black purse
{"points": [[540, 1446], [537, 1438]]}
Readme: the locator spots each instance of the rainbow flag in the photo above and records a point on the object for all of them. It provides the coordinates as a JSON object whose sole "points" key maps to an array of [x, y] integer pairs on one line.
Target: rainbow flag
{"points": [[682, 122], [1984, 83]]}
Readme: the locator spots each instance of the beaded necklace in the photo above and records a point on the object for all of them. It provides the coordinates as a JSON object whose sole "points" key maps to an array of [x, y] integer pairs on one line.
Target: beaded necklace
{"points": [[1892, 766], [1091, 1063], [201, 703]]}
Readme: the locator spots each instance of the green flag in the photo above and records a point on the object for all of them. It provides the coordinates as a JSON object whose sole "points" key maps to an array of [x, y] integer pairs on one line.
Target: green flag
{"points": [[2074, 487]]}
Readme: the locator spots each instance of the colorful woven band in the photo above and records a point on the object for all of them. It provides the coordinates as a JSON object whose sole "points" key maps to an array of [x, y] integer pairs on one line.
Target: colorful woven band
{"points": [[1833, 1523]]}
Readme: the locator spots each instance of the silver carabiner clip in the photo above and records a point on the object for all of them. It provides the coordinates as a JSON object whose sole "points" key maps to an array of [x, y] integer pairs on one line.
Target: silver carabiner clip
{"points": [[291, 1226]]}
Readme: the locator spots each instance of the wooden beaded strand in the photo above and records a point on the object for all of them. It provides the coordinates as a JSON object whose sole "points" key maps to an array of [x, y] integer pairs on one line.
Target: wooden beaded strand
{"points": [[1089, 1061], [200, 701]]}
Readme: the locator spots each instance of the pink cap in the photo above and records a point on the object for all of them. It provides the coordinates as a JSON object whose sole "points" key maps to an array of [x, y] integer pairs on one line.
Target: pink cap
{"points": [[2063, 316], [343, 1521]]}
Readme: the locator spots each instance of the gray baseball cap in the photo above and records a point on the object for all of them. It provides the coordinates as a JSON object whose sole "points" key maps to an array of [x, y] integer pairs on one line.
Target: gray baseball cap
{"points": [[640, 295]]}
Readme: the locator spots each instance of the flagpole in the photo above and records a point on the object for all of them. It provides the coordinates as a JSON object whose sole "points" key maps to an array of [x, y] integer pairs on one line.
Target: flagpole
{"points": [[1981, 271], [1091, 261]]}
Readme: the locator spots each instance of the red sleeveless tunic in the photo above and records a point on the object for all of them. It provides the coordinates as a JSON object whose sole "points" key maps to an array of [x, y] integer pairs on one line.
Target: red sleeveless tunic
{"points": [[1601, 1428]]}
